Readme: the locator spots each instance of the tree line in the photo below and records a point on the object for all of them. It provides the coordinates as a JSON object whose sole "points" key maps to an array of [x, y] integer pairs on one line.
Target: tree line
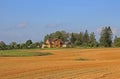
{"points": [[13, 45], [82, 39], [86, 39]]}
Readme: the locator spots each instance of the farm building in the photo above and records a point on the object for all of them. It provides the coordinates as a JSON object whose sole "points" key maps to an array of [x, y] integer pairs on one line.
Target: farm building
{"points": [[53, 43]]}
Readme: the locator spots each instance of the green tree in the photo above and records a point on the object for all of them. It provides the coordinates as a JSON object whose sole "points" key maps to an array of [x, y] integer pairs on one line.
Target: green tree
{"points": [[46, 37], [28, 43], [73, 39], [3, 46], [79, 40], [92, 40], [33, 45], [65, 35], [117, 41], [106, 37], [23, 46], [86, 38], [13, 45], [59, 34]]}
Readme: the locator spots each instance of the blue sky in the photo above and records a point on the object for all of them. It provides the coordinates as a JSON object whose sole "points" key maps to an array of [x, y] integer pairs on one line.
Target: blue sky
{"points": [[32, 19]]}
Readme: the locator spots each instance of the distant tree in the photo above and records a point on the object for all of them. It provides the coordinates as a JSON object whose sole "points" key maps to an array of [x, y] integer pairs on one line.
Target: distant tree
{"points": [[73, 39], [13, 45], [93, 41], [79, 40], [46, 37], [36, 45], [23, 46], [106, 37], [8, 47], [33, 45], [59, 34], [117, 41], [86, 38], [17, 46], [65, 35], [28, 43], [3, 46]]}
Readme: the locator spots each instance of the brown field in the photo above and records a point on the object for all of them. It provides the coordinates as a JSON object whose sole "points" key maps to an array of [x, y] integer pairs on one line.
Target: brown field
{"points": [[101, 63]]}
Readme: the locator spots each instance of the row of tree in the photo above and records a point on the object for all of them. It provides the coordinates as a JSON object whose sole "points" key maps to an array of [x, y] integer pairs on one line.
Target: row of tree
{"points": [[82, 39], [27, 45]]}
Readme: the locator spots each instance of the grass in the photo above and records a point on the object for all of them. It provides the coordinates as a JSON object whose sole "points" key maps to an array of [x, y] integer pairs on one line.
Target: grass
{"points": [[18, 53]]}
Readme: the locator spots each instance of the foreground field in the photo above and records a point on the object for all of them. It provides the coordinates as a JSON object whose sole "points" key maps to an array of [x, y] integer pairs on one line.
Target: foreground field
{"points": [[63, 64]]}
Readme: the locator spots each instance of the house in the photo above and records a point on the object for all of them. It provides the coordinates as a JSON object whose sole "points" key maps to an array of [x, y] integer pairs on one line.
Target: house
{"points": [[53, 43], [58, 43]]}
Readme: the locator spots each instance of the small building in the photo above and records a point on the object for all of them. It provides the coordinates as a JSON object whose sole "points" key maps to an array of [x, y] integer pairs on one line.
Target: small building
{"points": [[53, 43]]}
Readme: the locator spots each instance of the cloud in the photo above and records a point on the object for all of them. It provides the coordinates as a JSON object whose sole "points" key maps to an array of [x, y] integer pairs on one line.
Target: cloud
{"points": [[22, 25]]}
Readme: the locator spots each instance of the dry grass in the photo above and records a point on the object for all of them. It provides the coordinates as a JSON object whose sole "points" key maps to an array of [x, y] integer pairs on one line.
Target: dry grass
{"points": [[101, 64]]}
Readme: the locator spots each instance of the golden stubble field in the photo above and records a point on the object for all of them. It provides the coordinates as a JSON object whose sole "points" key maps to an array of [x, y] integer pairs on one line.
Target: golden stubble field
{"points": [[101, 63]]}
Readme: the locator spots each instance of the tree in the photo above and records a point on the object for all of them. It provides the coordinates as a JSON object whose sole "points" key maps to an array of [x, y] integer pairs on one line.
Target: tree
{"points": [[23, 46], [73, 39], [65, 35], [59, 34], [3, 46], [117, 41], [13, 45], [106, 37], [79, 40], [92, 40], [28, 43], [33, 45], [46, 37], [86, 38]]}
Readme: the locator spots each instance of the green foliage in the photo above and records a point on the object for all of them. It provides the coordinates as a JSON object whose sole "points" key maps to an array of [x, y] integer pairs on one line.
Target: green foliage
{"points": [[14, 45], [86, 38], [78, 42], [2, 45], [58, 34], [46, 37], [23, 46], [117, 41], [106, 37], [73, 39], [28, 43], [34, 45], [16, 53], [92, 42]]}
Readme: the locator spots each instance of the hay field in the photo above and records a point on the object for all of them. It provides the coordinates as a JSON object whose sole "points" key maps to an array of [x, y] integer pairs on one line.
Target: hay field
{"points": [[71, 63]]}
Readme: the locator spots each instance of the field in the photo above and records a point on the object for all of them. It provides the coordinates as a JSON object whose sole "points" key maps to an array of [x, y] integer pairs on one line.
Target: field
{"points": [[70, 63]]}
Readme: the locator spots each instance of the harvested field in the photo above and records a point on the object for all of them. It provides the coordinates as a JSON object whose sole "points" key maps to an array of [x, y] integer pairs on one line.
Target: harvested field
{"points": [[71, 63]]}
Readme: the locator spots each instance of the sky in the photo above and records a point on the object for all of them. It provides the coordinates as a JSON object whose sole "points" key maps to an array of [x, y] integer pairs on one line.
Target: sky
{"points": [[21, 20]]}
